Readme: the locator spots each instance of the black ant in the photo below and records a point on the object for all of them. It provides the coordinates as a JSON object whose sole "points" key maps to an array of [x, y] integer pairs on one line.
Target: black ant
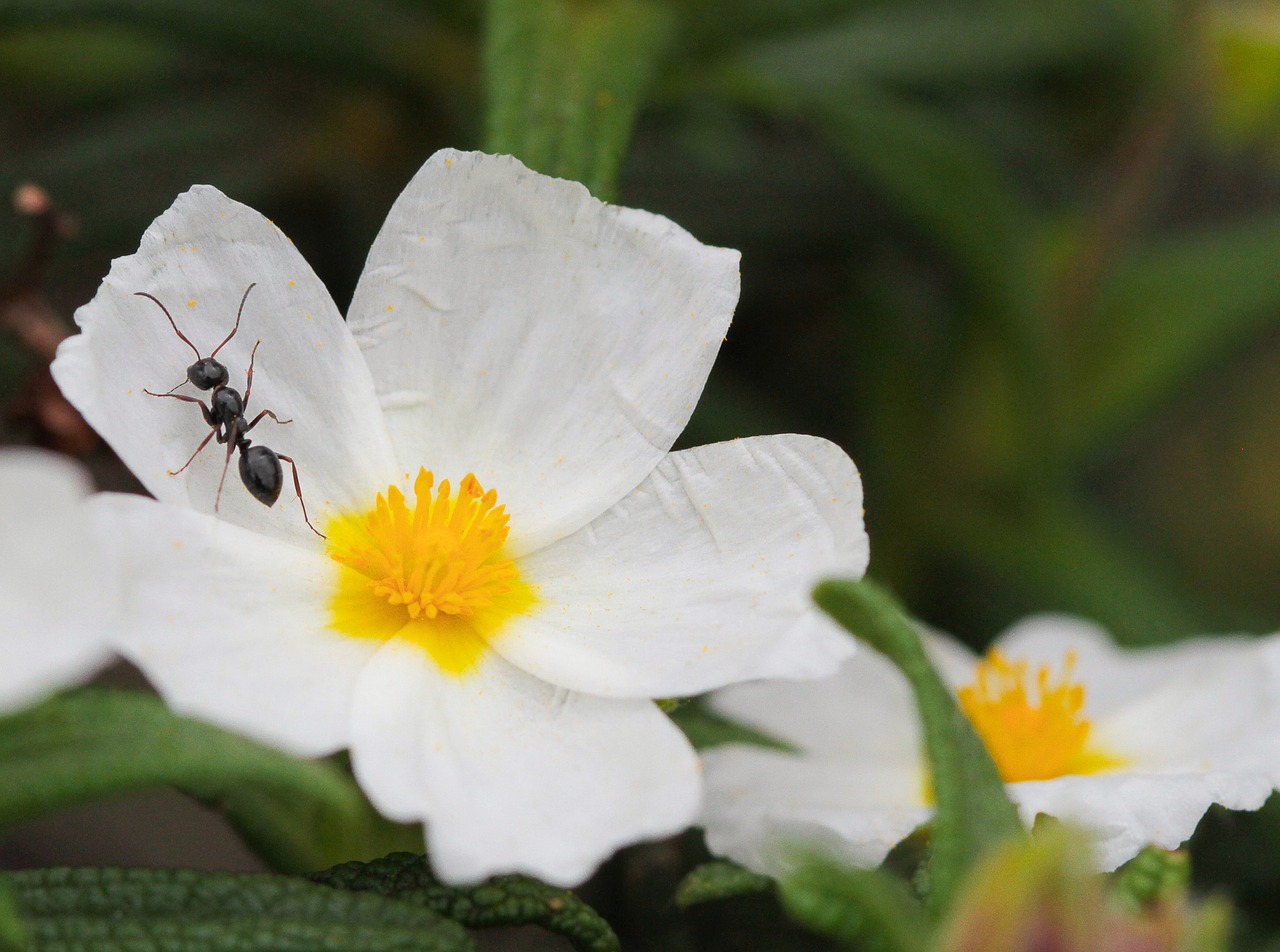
{"points": [[260, 469]]}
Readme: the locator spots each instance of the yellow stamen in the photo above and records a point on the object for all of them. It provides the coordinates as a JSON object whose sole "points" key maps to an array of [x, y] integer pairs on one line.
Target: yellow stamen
{"points": [[1032, 737], [433, 572]]}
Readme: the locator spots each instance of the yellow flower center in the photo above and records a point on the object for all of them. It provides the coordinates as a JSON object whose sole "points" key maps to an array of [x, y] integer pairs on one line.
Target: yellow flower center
{"points": [[1032, 735], [433, 572]]}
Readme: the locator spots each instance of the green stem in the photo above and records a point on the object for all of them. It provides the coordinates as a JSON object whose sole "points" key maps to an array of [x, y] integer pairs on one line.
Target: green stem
{"points": [[974, 812], [565, 80]]}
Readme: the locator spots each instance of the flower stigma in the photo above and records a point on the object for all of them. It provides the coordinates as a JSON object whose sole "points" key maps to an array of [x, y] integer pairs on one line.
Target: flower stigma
{"points": [[1032, 735], [432, 572]]}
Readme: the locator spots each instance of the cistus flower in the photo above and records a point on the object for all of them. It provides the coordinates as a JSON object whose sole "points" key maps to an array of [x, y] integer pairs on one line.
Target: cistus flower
{"points": [[513, 562], [57, 593], [1133, 746]]}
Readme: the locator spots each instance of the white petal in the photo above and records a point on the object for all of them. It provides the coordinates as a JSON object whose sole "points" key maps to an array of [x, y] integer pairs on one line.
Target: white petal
{"points": [[197, 259], [761, 804], [1126, 810], [701, 576], [232, 626], [514, 775], [1223, 716], [863, 714], [522, 330], [57, 594]]}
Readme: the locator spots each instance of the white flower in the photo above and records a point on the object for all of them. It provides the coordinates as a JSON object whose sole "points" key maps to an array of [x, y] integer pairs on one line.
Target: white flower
{"points": [[518, 359], [57, 594], [1132, 745]]}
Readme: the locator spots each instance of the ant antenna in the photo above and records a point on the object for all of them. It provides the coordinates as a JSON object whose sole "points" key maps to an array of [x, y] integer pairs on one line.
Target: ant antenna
{"points": [[238, 313], [175, 326]]}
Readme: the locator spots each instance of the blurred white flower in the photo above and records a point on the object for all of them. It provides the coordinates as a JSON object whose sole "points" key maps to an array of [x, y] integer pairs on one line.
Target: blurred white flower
{"points": [[1132, 745], [57, 594], [514, 563]]}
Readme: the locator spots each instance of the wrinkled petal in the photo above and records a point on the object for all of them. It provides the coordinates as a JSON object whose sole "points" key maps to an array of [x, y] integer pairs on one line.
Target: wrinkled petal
{"points": [[512, 774], [522, 330], [197, 259], [763, 804], [232, 627], [57, 594], [701, 576], [1127, 810]]}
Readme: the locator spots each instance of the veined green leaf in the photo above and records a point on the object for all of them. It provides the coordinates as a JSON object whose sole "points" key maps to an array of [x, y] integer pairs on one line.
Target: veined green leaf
{"points": [[141, 910], [719, 879], [297, 814], [974, 812], [500, 901], [565, 81]]}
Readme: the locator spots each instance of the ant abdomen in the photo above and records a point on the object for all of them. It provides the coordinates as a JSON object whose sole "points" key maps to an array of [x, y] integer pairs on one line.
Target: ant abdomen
{"points": [[261, 473]]}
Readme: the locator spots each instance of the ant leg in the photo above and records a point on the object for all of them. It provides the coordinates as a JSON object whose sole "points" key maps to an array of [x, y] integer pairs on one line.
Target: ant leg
{"points": [[297, 487], [255, 420], [232, 434], [248, 383], [234, 329], [203, 444], [208, 417]]}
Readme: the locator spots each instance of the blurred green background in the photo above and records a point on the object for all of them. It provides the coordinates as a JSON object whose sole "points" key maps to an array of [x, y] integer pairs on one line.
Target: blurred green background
{"points": [[1021, 258]]}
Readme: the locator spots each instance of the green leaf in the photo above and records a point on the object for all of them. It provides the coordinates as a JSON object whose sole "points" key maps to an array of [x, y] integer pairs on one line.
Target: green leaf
{"points": [[143, 910], [974, 812], [1174, 309], [719, 879], [501, 901], [866, 908], [373, 41], [948, 41], [706, 729], [566, 78], [297, 814]]}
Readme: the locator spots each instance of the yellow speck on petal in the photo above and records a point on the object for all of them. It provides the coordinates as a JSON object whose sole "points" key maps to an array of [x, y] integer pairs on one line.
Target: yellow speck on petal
{"points": [[191, 304], [1032, 735], [448, 162], [290, 284], [432, 571], [390, 307]]}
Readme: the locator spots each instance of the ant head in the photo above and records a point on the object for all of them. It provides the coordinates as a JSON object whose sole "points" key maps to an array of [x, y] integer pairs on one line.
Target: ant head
{"points": [[207, 373]]}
